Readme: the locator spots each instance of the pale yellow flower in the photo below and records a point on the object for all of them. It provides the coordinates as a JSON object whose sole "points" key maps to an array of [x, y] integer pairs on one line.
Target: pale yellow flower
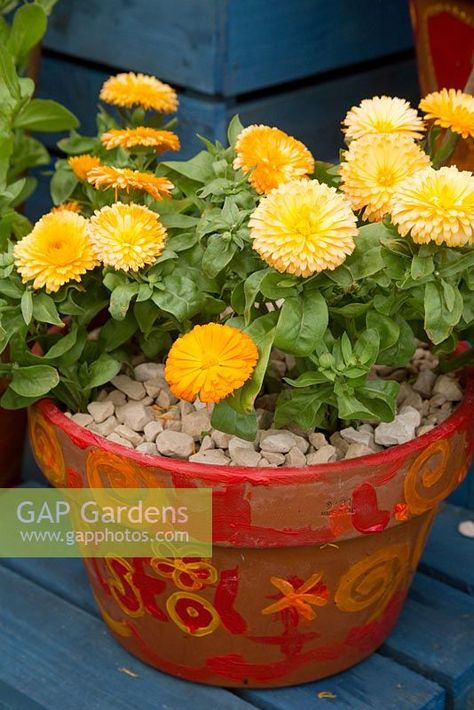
{"points": [[450, 109], [385, 115]]}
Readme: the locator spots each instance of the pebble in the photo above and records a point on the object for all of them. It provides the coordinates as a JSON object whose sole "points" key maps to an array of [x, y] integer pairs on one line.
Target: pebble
{"points": [[196, 423], [207, 443], [424, 429], [117, 398], [236, 443], [449, 388], [211, 456], [148, 371], [317, 439], [133, 389], [243, 456], [295, 457], [466, 528], [153, 387], [341, 444], [279, 443], [134, 415], [221, 439], [325, 454], [100, 411], [277, 459], [424, 383], [104, 428], [147, 447], [175, 443], [129, 434], [399, 431], [352, 436], [82, 419], [356, 450], [151, 430], [118, 440]]}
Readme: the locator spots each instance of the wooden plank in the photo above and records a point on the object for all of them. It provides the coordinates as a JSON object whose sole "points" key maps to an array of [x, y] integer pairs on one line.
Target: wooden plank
{"points": [[449, 556], [229, 47], [373, 684], [272, 43], [11, 699], [62, 657], [435, 637], [312, 114]]}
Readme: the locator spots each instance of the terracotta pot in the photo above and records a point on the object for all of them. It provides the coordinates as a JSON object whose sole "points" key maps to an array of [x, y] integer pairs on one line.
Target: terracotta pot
{"points": [[444, 40], [310, 566]]}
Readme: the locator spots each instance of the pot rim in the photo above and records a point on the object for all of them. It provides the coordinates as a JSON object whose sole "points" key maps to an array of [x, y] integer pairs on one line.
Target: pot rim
{"points": [[283, 474]]}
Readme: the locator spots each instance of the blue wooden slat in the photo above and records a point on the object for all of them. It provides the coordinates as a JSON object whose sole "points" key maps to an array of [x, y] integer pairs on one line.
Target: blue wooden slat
{"points": [[11, 699], [449, 556], [270, 43], [229, 46], [62, 657], [435, 637], [372, 685], [464, 494], [312, 114]]}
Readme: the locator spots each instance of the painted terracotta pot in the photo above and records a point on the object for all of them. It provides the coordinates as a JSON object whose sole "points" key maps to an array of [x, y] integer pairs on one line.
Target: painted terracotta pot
{"points": [[310, 566]]}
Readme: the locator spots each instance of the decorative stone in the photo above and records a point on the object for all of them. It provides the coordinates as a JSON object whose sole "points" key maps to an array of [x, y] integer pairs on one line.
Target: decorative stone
{"points": [[279, 443], [153, 387], [118, 440], [104, 428], [410, 415], [221, 439], [147, 447], [295, 457], [134, 415], [196, 423], [466, 528], [207, 443], [273, 458], [352, 436], [236, 443], [424, 383], [151, 430], [133, 389], [82, 419], [243, 456], [325, 454], [317, 439], [117, 398], [399, 431], [214, 457], [129, 434], [448, 388], [424, 429], [175, 443], [185, 408], [148, 371], [356, 450], [100, 411], [341, 444]]}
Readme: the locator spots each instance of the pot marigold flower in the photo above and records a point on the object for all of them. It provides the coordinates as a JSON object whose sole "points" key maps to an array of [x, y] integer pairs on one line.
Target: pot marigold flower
{"points": [[211, 361], [71, 206], [130, 89], [382, 114], [303, 227], [436, 206], [271, 157], [107, 176], [57, 251], [126, 237], [373, 167], [81, 164], [141, 136], [452, 109]]}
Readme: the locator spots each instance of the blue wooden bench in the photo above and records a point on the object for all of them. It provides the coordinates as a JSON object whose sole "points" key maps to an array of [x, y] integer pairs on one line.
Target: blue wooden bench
{"points": [[57, 654]]}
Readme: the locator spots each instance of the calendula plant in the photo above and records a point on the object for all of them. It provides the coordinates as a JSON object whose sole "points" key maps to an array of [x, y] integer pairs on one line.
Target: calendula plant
{"points": [[211, 264]]}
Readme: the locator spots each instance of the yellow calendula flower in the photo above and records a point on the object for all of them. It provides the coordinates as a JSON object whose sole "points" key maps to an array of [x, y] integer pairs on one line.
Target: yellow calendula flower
{"points": [[126, 237], [211, 361], [382, 114], [141, 136], [71, 206], [271, 156], [106, 176], [57, 251], [130, 89], [373, 167], [81, 164], [452, 109], [436, 206], [303, 227]]}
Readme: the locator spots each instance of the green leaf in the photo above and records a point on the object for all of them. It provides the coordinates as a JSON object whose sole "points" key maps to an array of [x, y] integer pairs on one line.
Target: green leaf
{"points": [[34, 381], [28, 27], [180, 297], [400, 353], [380, 397], [234, 130], [45, 115], [302, 408], [307, 379], [117, 332], [387, 328], [146, 313], [226, 419], [27, 306], [421, 267], [251, 289], [303, 321], [63, 184], [441, 315], [217, 255], [198, 168], [8, 74], [11, 288], [44, 309], [102, 371], [178, 221], [76, 144], [367, 347], [120, 300], [63, 345], [12, 400]]}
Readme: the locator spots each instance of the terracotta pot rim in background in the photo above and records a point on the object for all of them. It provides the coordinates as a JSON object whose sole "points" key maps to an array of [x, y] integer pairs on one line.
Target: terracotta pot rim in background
{"points": [[284, 474]]}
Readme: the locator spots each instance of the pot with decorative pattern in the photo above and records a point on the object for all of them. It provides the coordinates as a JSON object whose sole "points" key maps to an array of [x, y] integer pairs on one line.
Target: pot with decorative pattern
{"points": [[310, 566]]}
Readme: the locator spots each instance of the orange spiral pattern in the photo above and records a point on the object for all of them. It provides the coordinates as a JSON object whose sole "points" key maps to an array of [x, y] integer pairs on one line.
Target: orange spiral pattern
{"points": [[47, 449], [373, 581], [431, 477]]}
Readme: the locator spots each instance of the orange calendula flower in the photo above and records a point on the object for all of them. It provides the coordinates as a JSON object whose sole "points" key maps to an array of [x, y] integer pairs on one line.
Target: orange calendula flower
{"points": [[126, 237], [271, 156], [452, 109], [142, 136], [436, 206], [57, 251], [106, 176], [130, 89], [72, 206], [303, 227], [81, 164], [211, 361], [373, 167], [300, 598], [382, 115]]}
